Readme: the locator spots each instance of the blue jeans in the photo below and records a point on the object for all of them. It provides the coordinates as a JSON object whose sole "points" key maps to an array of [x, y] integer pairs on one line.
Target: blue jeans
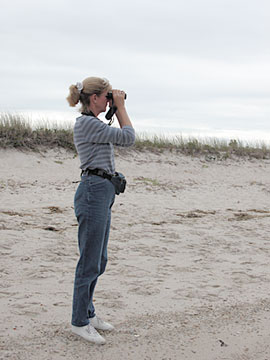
{"points": [[92, 203]]}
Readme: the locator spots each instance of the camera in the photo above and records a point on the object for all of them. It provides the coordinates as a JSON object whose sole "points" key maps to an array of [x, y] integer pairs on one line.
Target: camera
{"points": [[109, 96]]}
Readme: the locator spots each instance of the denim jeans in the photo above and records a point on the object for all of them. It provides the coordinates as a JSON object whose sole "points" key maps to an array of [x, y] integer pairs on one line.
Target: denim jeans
{"points": [[92, 203]]}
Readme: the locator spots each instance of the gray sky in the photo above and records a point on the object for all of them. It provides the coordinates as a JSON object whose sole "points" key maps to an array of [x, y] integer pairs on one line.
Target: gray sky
{"points": [[184, 64]]}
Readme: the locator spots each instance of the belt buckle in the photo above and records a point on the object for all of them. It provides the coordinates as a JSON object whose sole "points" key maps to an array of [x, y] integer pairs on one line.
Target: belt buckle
{"points": [[100, 173]]}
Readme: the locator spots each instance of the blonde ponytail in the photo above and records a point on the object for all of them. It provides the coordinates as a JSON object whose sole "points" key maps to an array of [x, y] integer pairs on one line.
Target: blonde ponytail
{"points": [[74, 96]]}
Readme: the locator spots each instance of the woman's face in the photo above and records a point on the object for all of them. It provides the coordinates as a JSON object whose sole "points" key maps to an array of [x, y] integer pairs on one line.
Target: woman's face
{"points": [[102, 101]]}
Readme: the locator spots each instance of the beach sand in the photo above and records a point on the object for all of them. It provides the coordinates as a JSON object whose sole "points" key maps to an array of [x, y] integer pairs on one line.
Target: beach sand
{"points": [[188, 272]]}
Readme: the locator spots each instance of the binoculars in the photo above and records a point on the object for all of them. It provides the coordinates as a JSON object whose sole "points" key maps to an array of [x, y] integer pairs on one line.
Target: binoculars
{"points": [[112, 109], [109, 96]]}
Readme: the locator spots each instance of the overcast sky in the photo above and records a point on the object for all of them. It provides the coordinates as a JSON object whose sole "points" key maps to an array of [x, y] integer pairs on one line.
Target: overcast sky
{"points": [[189, 64]]}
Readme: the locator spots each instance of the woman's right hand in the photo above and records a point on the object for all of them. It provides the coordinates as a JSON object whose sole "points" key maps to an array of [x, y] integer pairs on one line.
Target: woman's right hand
{"points": [[121, 113], [118, 98]]}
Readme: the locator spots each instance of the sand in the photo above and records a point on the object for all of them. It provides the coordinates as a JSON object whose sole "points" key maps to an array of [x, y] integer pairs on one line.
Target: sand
{"points": [[188, 273]]}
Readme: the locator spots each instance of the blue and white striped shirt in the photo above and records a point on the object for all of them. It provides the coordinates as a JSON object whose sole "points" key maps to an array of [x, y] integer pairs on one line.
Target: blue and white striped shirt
{"points": [[94, 142]]}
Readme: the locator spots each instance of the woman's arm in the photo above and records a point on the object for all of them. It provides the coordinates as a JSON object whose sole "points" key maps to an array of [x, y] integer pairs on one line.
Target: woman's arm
{"points": [[93, 130]]}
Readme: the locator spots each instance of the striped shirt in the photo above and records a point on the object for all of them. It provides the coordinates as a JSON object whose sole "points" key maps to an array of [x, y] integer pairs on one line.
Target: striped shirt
{"points": [[94, 142]]}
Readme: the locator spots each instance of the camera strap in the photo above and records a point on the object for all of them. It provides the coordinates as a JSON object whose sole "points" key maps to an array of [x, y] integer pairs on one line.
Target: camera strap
{"points": [[108, 116], [90, 113]]}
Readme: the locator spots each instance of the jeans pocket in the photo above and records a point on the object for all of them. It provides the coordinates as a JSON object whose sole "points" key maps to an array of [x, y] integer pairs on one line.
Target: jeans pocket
{"points": [[96, 188]]}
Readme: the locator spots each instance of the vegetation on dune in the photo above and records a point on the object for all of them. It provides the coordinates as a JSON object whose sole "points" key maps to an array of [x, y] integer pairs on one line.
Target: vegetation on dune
{"points": [[213, 148], [16, 132]]}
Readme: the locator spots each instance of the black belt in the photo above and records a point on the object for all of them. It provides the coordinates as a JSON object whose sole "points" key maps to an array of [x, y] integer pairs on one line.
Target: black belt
{"points": [[97, 172]]}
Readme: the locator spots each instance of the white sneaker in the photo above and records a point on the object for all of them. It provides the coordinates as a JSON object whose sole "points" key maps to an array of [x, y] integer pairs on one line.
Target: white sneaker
{"points": [[89, 333], [99, 324]]}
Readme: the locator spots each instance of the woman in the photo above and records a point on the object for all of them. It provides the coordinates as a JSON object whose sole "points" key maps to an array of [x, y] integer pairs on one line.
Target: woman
{"points": [[94, 197]]}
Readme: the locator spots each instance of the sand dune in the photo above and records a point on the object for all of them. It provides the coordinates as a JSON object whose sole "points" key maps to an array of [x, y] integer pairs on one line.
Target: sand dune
{"points": [[188, 273]]}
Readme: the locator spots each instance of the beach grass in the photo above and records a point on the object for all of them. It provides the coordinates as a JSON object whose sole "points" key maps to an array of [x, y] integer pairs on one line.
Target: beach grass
{"points": [[17, 131]]}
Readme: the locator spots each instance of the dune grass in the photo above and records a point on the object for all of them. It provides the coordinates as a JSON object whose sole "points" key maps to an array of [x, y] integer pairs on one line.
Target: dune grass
{"points": [[17, 131], [212, 147]]}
